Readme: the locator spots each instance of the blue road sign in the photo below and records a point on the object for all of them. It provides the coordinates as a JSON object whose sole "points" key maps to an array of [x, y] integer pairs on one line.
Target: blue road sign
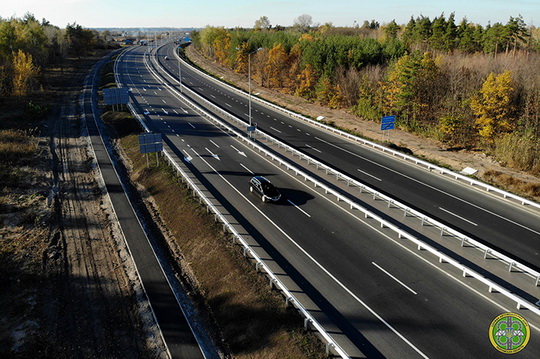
{"points": [[147, 138], [116, 96], [388, 123], [151, 147]]}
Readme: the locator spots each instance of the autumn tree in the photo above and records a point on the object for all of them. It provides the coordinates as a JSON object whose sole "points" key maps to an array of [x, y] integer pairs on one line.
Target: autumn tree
{"points": [[307, 80], [493, 106], [276, 64], [24, 73]]}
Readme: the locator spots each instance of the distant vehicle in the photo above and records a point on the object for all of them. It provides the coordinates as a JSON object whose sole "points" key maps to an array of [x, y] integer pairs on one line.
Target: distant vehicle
{"points": [[166, 57], [264, 188]]}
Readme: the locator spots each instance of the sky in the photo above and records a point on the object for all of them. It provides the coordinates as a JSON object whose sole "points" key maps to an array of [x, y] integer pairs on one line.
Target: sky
{"points": [[244, 13]]}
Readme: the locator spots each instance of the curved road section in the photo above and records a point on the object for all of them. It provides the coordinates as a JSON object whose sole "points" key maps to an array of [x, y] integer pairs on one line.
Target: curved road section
{"points": [[179, 339], [499, 224], [390, 301]]}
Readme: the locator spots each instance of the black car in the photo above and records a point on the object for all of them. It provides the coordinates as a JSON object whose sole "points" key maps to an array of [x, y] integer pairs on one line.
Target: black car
{"points": [[264, 188]]}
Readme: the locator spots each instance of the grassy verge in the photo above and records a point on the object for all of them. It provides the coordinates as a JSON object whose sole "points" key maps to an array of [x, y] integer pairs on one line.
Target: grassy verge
{"points": [[251, 319]]}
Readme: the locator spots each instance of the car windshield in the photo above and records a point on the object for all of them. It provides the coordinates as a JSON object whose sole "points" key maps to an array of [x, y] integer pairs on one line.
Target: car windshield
{"points": [[269, 189]]}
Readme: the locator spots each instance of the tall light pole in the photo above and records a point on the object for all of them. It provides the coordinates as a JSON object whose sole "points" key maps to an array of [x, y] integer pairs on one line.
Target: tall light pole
{"points": [[179, 70], [249, 88]]}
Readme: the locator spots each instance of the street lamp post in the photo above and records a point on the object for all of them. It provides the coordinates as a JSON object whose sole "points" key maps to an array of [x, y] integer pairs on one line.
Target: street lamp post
{"points": [[179, 71], [249, 88]]}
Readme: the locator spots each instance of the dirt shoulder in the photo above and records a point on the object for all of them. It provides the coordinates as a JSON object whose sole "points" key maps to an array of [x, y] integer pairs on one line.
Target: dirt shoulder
{"points": [[489, 170], [69, 278]]}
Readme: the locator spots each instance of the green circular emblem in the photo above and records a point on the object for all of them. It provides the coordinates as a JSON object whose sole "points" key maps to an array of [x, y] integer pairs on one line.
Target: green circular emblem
{"points": [[509, 333]]}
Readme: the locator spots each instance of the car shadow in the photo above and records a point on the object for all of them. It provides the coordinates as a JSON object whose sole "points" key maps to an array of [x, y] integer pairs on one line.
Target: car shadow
{"points": [[295, 196]]}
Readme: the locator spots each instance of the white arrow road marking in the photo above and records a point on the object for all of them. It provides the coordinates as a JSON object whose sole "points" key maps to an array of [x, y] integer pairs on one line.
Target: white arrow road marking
{"points": [[213, 154], [320, 266], [239, 152], [183, 110]]}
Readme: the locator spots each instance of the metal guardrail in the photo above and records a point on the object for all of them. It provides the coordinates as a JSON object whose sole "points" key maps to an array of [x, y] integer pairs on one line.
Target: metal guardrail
{"points": [[353, 205], [512, 263]]}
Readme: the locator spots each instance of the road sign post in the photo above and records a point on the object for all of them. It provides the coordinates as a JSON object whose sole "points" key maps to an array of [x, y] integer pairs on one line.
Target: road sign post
{"points": [[150, 142], [388, 123], [116, 96]]}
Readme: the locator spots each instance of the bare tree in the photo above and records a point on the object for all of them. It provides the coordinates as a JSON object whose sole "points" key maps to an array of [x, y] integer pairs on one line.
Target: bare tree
{"points": [[262, 24], [303, 22]]}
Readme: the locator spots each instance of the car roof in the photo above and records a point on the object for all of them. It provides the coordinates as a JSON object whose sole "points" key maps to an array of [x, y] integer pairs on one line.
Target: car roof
{"points": [[261, 179]]}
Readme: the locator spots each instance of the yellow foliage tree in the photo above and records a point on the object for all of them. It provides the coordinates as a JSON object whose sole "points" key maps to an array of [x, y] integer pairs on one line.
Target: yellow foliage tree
{"points": [[221, 49], [293, 67], [24, 72], [493, 106], [307, 80], [275, 65], [241, 65]]}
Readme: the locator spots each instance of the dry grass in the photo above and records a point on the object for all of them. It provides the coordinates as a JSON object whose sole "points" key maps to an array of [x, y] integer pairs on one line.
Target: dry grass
{"points": [[252, 320], [513, 184], [15, 145]]}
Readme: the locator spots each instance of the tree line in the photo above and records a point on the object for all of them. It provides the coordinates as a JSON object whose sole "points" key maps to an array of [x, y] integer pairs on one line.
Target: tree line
{"points": [[27, 45], [466, 85]]}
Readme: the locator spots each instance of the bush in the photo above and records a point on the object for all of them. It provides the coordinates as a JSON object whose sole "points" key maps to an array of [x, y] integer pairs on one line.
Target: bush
{"points": [[520, 151]]}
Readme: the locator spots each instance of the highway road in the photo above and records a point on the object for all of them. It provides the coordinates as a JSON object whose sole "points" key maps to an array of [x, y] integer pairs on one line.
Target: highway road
{"points": [[513, 230], [390, 301]]}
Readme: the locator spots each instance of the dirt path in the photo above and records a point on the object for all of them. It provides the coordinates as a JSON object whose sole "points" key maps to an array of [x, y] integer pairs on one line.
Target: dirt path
{"points": [[488, 169], [85, 305], [90, 292]]}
